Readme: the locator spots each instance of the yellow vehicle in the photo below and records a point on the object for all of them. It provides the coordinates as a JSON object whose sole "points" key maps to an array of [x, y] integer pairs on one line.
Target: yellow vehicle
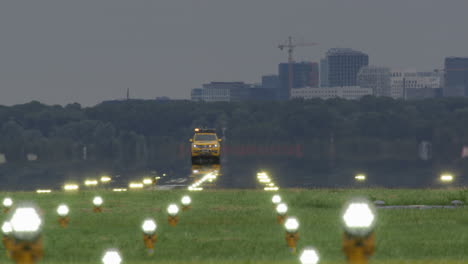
{"points": [[206, 147]]}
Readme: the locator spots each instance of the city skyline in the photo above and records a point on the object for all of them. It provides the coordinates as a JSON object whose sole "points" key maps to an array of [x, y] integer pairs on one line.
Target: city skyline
{"points": [[88, 52]]}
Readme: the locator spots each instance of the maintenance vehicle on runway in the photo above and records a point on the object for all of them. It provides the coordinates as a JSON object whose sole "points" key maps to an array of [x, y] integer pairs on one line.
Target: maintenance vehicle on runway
{"points": [[206, 148]]}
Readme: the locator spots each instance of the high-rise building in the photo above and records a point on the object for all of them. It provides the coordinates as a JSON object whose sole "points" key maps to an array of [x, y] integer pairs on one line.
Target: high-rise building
{"points": [[456, 76], [323, 73], [304, 74], [343, 66], [375, 77]]}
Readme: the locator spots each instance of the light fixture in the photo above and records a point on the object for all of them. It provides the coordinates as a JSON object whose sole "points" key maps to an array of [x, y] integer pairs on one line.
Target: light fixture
{"points": [[173, 217], [281, 210], [186, 202], [360, 177], [292, 235], [97, 202], [62, 211], [70, 187], [446, 178], [41, 191], [309, 256], [119, 190], [91, 183], [105, 179], [135, 185], [7, 203], [276, 199], [111, 256], [358, 221], [149, 234]]}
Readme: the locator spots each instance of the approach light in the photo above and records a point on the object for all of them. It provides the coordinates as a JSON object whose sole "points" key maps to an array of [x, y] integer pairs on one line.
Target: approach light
{"points": [[111, 256], [276, 199], [147, 181], [40, 191], [7, 229], [71, 187], [360, 177], [309, 256], [105, 179], [149, 226], [91, 182], [282, 209], [173, 218], [186, 202], [149, 234], [7, 203], [359, 218], [271, 189], [291, 224], [97, 201], [446, 178], [63, 210], [119, 190], [26, 223], [358, 239], [135, 185]]}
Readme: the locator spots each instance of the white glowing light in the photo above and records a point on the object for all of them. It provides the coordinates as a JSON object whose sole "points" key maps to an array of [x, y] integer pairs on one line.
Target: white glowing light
{"points": [[112, 256], [63, 210], [119, 189], [186, 201], [282, 209], [276, 199], [149, 226], [105, 179], [136, 185], [7, 202], [446, 178], [91, 182], [291, 224], [7, 228], [71, 187], [309, 256], [172, 209], [25, 223], [271, 189], [360, 177], [359, 218], [97, 201], [43, 191], [147, 181]]}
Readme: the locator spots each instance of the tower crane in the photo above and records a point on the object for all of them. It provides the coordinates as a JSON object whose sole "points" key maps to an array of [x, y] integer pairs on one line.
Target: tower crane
{"points": [[290, 46]]}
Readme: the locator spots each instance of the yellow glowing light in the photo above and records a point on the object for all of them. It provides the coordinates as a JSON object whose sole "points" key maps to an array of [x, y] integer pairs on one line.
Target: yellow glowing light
{"points": [[360, 177], [119, 189], [71, 187], [105, 179], [91, 182], [147, 181], [271, 188], [136, 185], [446, 178], [43, 191]]}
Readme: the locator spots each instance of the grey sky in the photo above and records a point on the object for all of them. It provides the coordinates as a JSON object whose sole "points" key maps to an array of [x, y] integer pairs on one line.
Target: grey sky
{"points": [[87, 51]]}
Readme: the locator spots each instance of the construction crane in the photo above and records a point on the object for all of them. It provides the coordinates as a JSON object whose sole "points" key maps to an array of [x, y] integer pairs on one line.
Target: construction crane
{"points": [[290, 46]]}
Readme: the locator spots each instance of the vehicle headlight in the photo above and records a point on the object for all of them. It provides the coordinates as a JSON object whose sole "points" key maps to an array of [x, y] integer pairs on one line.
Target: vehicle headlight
{"points": [[194, 145]]}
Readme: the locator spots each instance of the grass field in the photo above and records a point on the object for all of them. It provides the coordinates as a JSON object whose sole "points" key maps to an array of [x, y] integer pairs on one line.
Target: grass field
{"points": [[237, 226]]}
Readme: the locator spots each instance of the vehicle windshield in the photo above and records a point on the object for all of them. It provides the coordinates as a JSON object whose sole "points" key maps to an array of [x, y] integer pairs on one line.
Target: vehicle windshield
{"points": [[205, 137]]}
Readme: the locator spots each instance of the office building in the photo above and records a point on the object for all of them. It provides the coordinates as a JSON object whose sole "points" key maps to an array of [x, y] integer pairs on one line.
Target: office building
{"points": [[342, 66], [346, 92], [456, 76], [376, 78], [304, 74], [403, 83]]}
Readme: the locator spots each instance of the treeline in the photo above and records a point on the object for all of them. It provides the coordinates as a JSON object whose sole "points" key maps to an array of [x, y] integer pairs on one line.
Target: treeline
{"points": [[142, 133]]}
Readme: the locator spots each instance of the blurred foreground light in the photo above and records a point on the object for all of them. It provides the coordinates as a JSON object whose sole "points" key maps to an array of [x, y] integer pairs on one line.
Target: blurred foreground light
{"points": [[7, 228], [282, 209], [149, 226], [276, 199], [186, 201], [446, 178], [43, 191], [136, 185], [111, 256], [360, 177], [119, 189], [309, 256], [359, 217], [271, 188], [71, 187], [26, 223], [63, 210], [97, 201], [291, 224], [147, 181], [7, 202], [105, 179], [172, 209], [91, 182]]}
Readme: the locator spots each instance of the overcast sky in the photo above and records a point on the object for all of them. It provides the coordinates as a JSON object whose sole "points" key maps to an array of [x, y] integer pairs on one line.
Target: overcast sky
{"points": [[87, 51]]}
